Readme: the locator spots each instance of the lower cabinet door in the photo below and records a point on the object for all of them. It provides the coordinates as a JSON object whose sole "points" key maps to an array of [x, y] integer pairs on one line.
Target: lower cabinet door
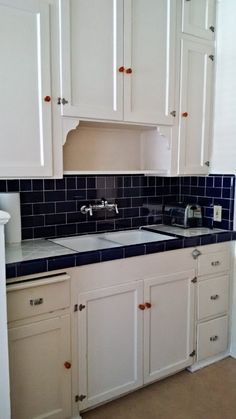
{"points": [[212, 337], [110, 342], [40, 382], [168, 324]]}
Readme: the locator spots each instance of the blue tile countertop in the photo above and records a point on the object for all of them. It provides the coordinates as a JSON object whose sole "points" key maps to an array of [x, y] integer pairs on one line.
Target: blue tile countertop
{"points": [[38, 256]]}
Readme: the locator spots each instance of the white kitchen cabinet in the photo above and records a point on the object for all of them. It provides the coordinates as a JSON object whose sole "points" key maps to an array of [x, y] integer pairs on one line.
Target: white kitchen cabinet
{"points": [[168, 324], [117, 60], [196, 82], [110, 342], [199, 18], [40, 348], [25, 89], [129, 312], [40, 382]]}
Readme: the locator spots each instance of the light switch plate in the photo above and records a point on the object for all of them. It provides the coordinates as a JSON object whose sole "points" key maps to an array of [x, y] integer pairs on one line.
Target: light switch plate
{"points": [[217, 213]]}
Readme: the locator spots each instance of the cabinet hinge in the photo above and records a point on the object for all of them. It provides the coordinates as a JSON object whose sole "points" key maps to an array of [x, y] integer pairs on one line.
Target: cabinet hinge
{"points": [[76, 307], [81, 307], [212, 28], [212, 57], [207, 163], [62, 101], [80, 398], [193, 353], [173, 113], [194, 280]]}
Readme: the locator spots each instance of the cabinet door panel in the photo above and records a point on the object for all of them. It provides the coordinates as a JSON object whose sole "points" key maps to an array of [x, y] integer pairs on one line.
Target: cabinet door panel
{"points": [[91, 53], [168, 324], [196, 92], [110, 342], [198, 17], [40, 384], [212, 338], [26, 138], [149, 51]]}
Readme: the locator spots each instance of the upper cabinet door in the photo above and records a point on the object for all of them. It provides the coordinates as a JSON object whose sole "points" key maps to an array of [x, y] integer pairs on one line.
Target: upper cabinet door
{"points": [[199, 18], [25, 109], [195, 107], [149, 45], [91, 55]]}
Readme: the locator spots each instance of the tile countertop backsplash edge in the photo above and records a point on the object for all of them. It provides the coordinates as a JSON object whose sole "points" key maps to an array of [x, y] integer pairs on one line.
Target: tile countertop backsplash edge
{"points": [[35, 266]]}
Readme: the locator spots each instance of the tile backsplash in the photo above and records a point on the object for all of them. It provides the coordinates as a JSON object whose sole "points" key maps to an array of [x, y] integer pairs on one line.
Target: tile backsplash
{"points": [[52, 207]]}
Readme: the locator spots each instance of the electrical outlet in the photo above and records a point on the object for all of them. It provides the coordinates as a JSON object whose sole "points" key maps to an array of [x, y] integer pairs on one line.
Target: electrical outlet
{"points": [[217, 213]]}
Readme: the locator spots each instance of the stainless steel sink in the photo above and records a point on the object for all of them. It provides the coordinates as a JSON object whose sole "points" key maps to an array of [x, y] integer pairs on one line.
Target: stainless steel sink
{"points": [[109, 240]]}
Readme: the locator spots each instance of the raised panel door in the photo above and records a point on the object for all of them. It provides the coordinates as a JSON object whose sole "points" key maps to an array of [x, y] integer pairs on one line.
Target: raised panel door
{"points": [[26, 136], [110, 342], [149, 51], [91, 54], [198, 18], [195, 107], [168, 324], [40, 383]]}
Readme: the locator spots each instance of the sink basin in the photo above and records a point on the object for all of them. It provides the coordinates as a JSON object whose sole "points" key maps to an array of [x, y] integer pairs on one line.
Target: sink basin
{"points": [[130, 237], [109, 240], [85, 243]]}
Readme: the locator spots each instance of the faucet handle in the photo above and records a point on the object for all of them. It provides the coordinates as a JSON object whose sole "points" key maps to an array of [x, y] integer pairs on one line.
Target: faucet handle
{"points": [[116, 208], [90, 210]]}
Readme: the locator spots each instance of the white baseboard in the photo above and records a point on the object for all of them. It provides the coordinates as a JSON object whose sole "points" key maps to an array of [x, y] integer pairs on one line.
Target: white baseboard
{"points": [[198, 365]]}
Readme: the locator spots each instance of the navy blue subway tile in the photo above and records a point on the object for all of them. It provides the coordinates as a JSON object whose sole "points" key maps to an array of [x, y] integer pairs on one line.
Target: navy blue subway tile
{"points": [[53, 196], [31, 197], [66, 229], [25, 185], [134, 250], [13, 185], [75, 217], [27, 233], [91, 183], [101, 182], [49, 184], [44, 208], [110, 182], [155, 247], [26, 209], [37, 184], [32, 267], [208, 239], [105, 225], [52, 219], [222, 237], [11, 270], [32, 221], [139, 221], [60, 184], [174, 244], [111, 254], [202, 181], [81, 182], [191, 241], [44, 232], [76, 195], [71, 183], [209, 182], [61, 262], [127, 181], [87, 258], [217, 181], [123, 223], [227, 182], [131, 212], [86, 227]]}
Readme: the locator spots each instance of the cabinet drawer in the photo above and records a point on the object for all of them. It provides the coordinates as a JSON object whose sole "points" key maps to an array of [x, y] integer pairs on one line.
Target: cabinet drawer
{"points": [[212, 263], [212, 337], [37, 297], [213, 296]]}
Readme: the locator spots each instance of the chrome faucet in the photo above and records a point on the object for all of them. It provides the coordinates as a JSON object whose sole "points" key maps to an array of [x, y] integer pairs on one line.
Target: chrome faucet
{"points": [[96, 207]]}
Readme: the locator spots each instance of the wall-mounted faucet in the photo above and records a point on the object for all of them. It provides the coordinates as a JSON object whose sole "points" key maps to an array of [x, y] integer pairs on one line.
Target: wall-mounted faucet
{"points": [[96, 207]]}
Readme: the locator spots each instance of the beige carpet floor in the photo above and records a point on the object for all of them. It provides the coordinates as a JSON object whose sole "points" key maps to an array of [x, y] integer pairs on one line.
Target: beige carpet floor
{"points": [[209, 393]]}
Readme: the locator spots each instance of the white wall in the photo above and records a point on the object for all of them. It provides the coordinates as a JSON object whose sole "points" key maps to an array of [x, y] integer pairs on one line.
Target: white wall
{"points": [[224, 136]]}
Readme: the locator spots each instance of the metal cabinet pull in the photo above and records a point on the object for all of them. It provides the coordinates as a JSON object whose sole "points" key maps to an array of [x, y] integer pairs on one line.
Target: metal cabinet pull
{"points": [[215, 263], [214, 338], [36, 302], [196, 253], [215, 297]]}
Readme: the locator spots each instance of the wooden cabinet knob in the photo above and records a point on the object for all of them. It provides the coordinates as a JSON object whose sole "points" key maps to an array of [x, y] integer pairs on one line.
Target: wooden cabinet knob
{"points": [[67, 365], [141, 306], [148, 305], [47, 99], [129, 71], [121, 69], [184, 114]]}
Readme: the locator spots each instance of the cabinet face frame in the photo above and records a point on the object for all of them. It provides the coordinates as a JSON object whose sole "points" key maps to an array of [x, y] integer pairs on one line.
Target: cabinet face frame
{"points": [[113, 110], [37, 127]]}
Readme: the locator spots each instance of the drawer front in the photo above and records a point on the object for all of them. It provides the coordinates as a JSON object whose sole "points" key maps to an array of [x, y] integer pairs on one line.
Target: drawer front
{"points": [[213, 296], [35, 300], [212, 263], [212, 337]]}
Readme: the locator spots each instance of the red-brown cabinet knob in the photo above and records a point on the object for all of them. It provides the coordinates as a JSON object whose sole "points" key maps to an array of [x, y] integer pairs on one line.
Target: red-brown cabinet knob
{"points": [[47, 99], [121, 69], [184, 114], [67, 365], [129, 71], [141, 306], [148, 305]]}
